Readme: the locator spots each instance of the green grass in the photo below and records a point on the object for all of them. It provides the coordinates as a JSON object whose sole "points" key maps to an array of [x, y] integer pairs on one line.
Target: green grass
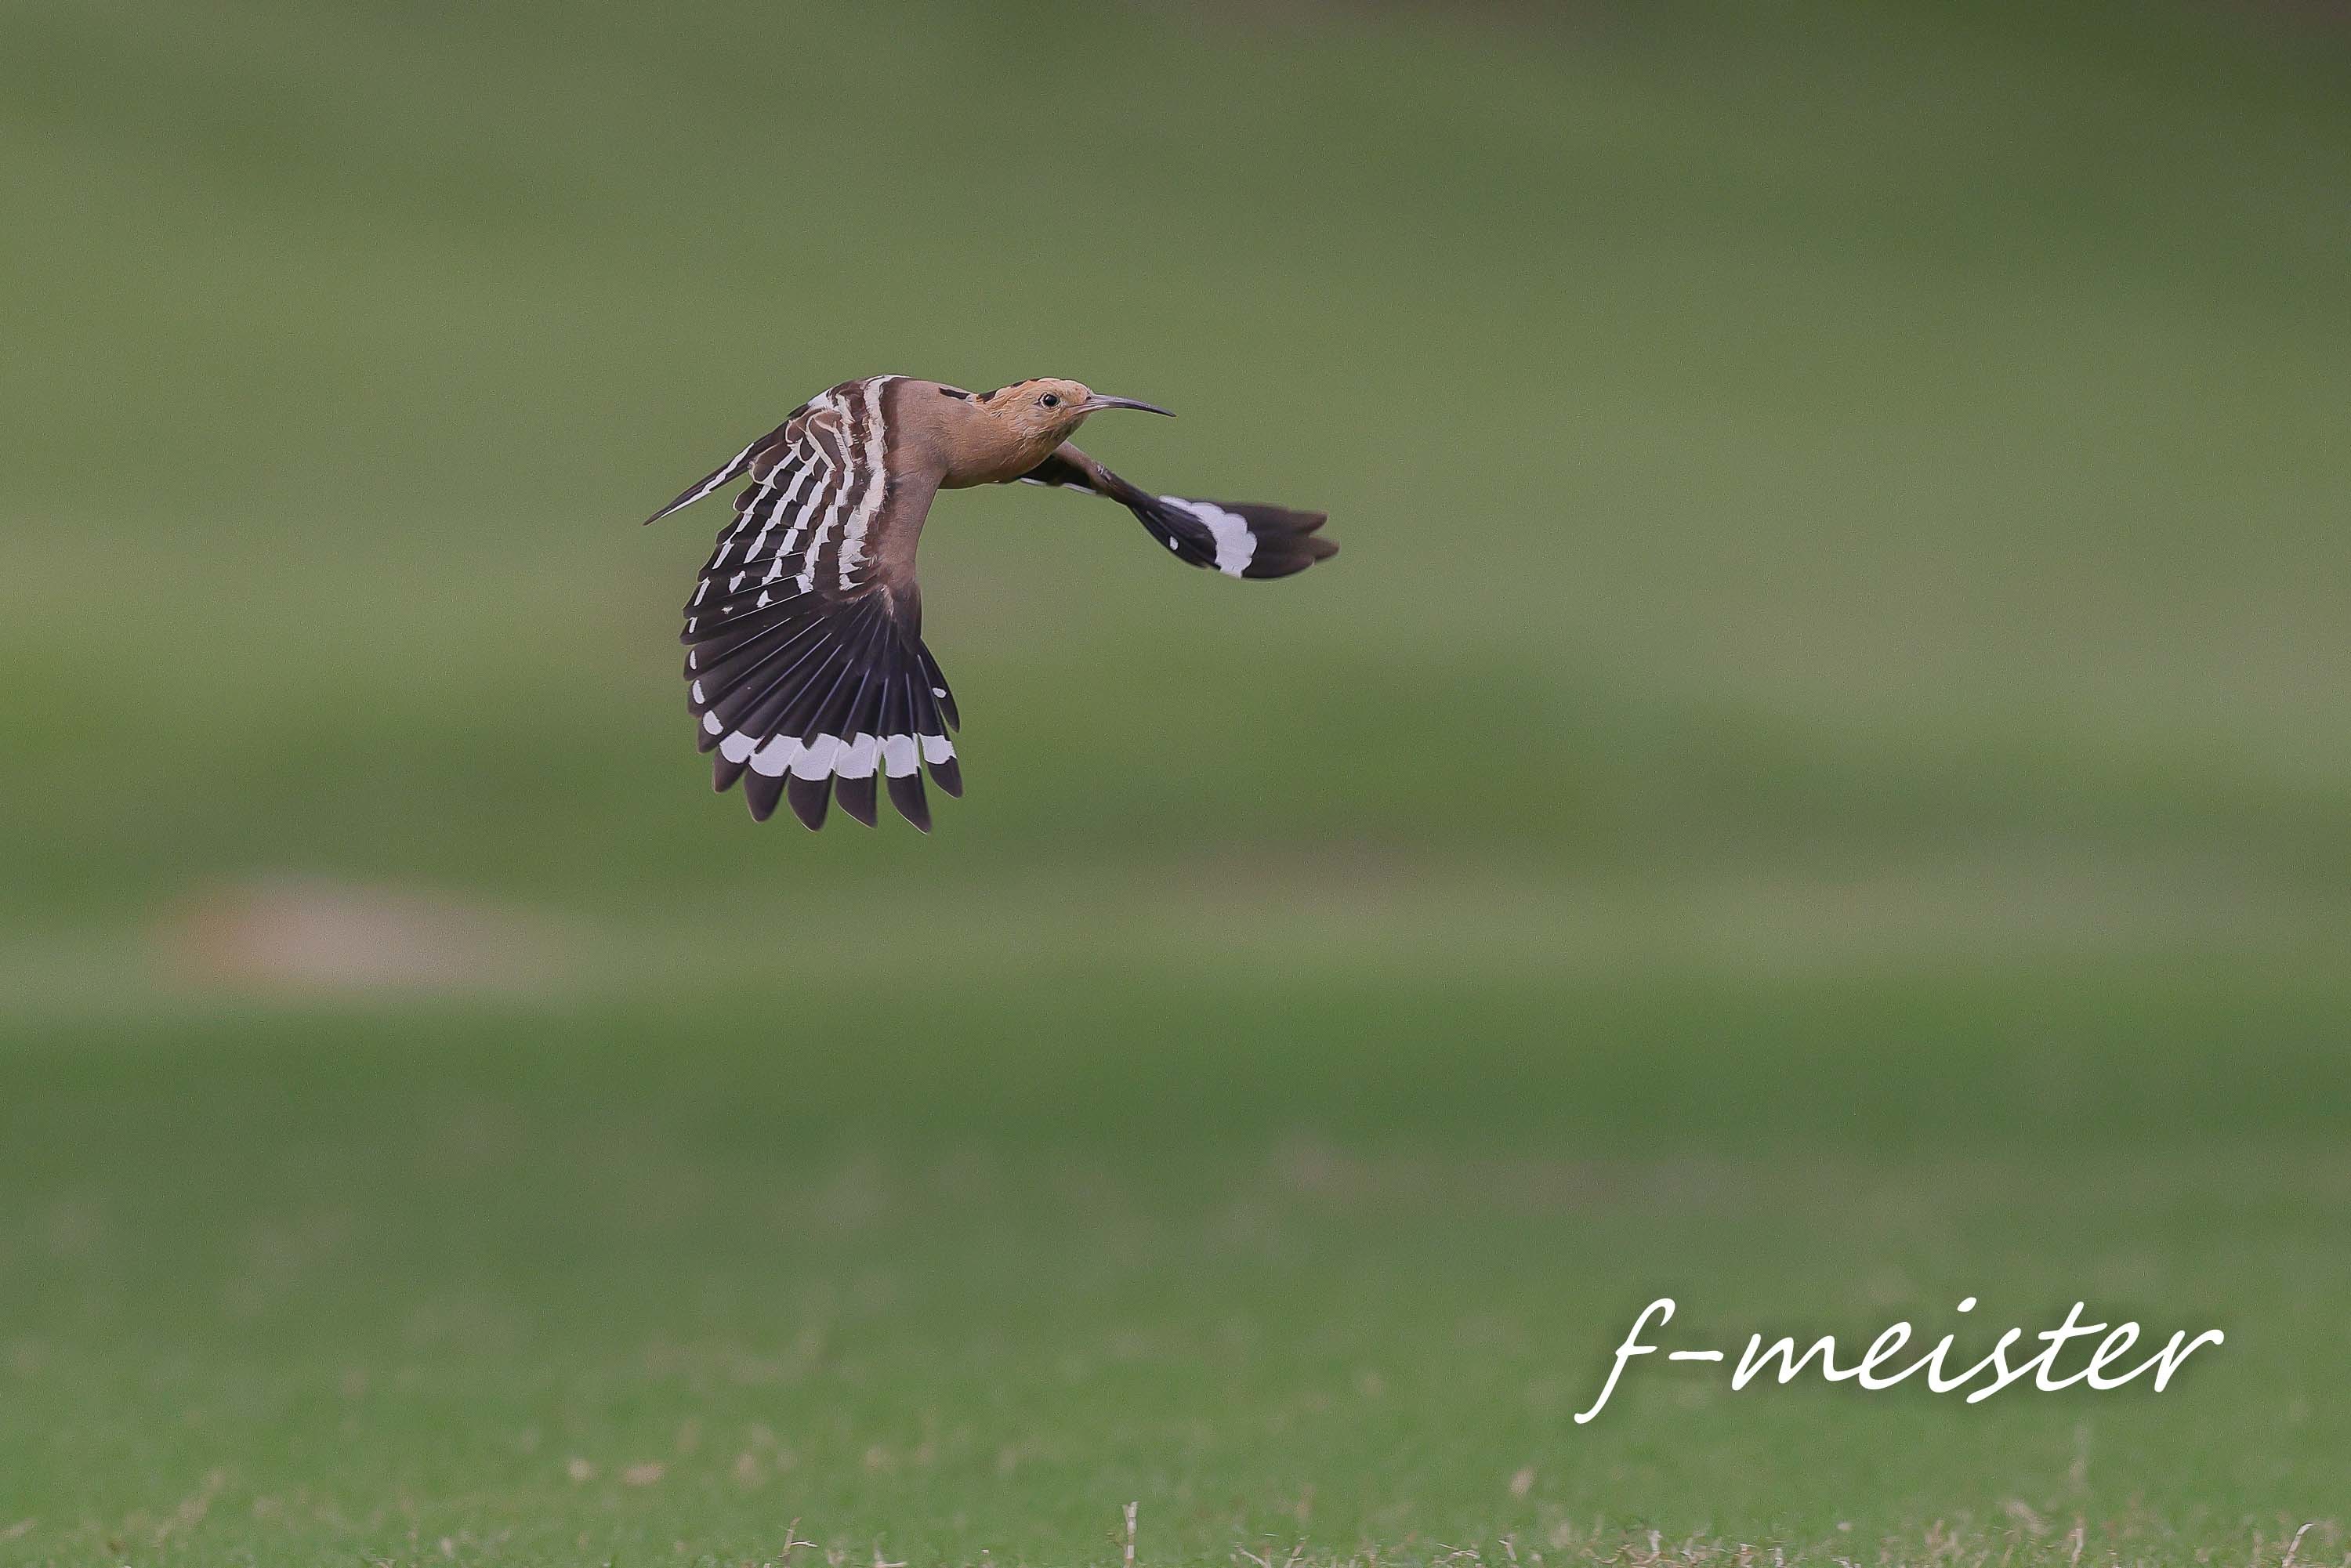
{"points": [[362, 1282], [960, 1275], [1817, 786]]}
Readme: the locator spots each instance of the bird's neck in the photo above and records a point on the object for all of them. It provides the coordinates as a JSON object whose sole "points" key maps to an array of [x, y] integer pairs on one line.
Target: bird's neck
{"points": [[985, 447]]}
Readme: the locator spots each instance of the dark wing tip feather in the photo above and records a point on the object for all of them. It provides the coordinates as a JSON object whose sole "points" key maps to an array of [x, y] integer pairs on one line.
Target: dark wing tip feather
{"points": [[1286, 542], [907, 794], [856, 798], [808, 799], [762, 791], [1239, 538], [938, 683]]}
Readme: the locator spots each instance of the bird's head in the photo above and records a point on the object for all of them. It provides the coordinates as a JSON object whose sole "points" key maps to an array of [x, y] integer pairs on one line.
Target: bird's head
{"points": [[1053, 409]]}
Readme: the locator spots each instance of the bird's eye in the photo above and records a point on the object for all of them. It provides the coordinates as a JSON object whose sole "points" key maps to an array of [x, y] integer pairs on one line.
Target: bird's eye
{"points": [[1050, 400]]}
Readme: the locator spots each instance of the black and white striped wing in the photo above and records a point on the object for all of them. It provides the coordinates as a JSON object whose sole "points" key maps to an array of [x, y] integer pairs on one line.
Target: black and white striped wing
{"points": [[805, 665], [1239, 538]]}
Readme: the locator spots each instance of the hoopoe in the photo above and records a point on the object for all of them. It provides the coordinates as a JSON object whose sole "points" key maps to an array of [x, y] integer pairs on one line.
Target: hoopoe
{"points": [[805, 665]]}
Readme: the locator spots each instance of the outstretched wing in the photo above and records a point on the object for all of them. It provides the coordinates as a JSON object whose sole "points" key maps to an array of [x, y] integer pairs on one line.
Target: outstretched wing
{"points": [[1239, 538], [805, 662]]}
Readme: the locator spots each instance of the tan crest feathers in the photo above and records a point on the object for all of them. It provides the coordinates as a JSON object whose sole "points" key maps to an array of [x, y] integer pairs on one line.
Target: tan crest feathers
{"points": [[1044, 391]]}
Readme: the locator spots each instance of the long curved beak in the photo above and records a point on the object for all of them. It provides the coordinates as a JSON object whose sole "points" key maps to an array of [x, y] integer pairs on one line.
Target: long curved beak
{"points": [[1097, 402]]}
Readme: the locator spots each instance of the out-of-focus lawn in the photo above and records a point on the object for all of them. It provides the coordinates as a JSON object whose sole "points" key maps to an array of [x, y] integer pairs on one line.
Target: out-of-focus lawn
{"points": [[953, 1280], [1819, 785], [1762, 446]]}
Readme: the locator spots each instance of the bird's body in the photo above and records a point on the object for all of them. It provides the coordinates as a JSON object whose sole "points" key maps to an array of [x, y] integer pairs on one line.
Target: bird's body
{"points": [[805, 668]]}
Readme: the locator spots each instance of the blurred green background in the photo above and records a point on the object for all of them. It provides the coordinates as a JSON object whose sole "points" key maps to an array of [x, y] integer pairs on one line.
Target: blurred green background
{"points": [[1817, 785]]}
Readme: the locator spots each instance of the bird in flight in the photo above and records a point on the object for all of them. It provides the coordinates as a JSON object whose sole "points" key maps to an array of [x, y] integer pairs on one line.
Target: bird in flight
{"points": [[805, 665]]}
